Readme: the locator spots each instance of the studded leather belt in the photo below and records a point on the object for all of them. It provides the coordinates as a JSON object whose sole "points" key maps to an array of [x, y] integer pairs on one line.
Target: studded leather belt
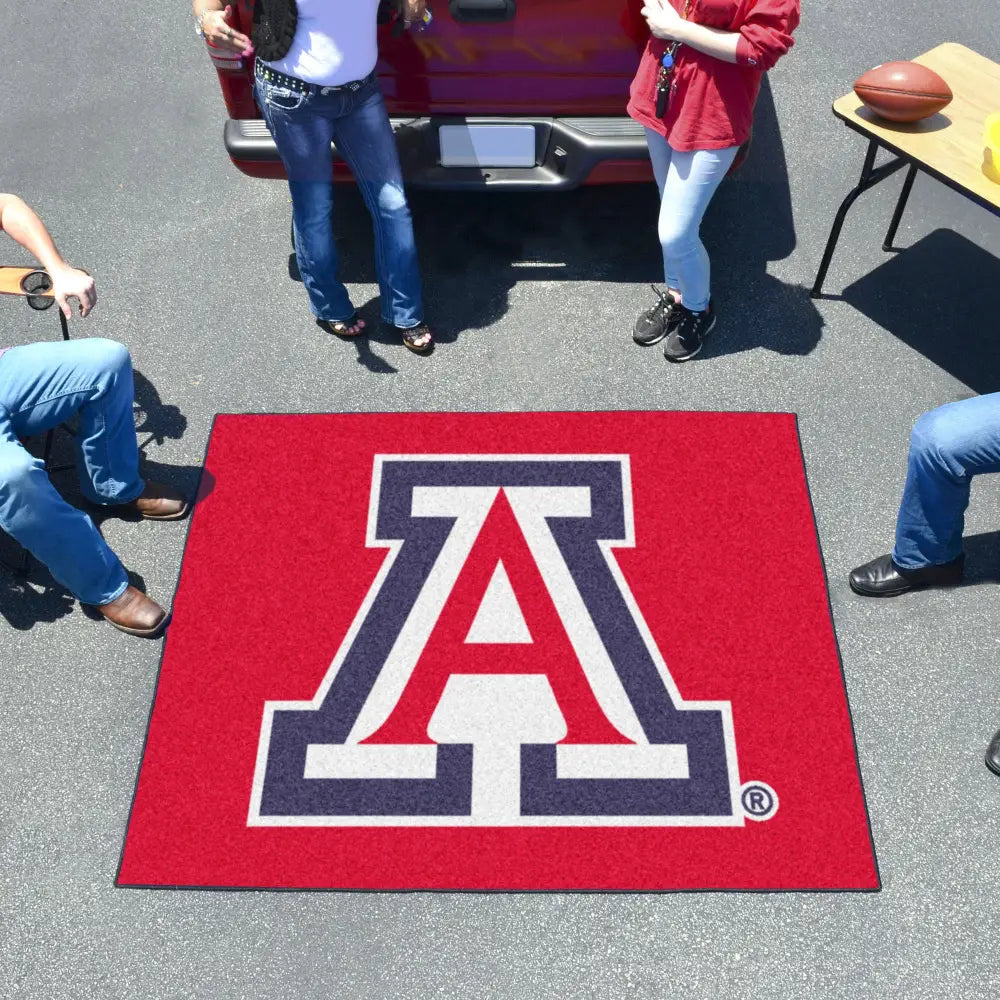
{"points": [[277, 79]]}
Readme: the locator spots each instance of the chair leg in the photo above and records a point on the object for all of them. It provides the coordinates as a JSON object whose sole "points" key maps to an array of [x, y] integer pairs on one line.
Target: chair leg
{"points": [[22, 566], [47, 451]]}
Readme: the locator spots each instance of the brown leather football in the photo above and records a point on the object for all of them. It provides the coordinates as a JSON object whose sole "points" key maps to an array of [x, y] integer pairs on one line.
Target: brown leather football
{"points": [[903, 91]]}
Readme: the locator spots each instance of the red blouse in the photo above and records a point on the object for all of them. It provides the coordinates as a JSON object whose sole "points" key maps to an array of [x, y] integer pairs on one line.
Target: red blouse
{"points": [[711, 101]]}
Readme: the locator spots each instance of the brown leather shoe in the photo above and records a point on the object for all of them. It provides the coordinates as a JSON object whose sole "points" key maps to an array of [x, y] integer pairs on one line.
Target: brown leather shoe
{"points": [[135, 613], [158, 502]]}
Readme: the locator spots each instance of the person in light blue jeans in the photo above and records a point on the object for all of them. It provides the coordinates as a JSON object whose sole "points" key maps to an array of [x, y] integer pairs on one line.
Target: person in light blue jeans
{"points": [[303, 123], [45, 385], [694, 93], [948, 447], [686, 181]]}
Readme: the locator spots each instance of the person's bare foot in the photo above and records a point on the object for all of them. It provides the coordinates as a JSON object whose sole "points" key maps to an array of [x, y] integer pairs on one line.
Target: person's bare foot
{"points": [[135, 613], [418, 339], [353, 326]]}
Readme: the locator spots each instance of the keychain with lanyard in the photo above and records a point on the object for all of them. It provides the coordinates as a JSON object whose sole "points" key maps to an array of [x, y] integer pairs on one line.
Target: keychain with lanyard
{"points": [[666, 69], [401, 24]]}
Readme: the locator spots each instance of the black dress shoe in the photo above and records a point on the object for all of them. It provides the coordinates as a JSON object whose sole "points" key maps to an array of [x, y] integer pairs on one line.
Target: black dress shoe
{"points": [[993, 754], [883, 578]]}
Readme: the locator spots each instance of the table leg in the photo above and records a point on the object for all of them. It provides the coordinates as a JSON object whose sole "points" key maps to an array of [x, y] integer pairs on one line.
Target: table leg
{"points": [[900, 206], [870, 176]]}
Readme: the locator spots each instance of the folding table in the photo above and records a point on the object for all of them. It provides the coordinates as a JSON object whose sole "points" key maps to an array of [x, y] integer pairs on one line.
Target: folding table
{"points": [[948, 146]]}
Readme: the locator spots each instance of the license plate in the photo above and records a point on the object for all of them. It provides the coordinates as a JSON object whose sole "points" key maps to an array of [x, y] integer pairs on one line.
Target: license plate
{"points": [[487, 145]]}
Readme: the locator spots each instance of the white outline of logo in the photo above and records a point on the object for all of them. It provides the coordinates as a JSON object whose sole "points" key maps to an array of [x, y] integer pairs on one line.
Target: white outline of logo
{"points": [[423, 617]]}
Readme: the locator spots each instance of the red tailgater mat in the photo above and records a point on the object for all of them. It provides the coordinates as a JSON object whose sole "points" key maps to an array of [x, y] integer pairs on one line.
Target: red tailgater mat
{"points": [[528, 651]]}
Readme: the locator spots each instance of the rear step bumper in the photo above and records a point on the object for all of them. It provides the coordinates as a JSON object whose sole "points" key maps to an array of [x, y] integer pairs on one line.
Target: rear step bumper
{"points": [[566, 151]]}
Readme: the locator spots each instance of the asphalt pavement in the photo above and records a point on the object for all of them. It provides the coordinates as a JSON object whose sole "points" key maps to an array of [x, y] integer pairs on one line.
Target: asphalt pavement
{"points": [[111, 126]]}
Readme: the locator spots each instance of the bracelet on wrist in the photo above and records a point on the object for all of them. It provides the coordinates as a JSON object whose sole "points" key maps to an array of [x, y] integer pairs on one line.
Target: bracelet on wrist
{"points": [[199, 24]]}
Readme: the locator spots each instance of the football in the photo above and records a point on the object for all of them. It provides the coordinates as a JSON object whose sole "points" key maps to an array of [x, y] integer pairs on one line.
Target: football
{"points": [[903, 91]]}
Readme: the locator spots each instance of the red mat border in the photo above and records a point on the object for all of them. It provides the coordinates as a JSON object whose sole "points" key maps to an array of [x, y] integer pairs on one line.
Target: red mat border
{"points": [[877, 888]]}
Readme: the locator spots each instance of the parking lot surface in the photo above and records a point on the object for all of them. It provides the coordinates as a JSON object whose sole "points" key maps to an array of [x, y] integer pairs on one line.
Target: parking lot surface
{"points": [[111, 127]]}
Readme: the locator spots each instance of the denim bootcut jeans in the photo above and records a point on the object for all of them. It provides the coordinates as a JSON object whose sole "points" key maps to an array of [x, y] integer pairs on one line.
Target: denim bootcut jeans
{"points": [[42, 386], [303, 125]]}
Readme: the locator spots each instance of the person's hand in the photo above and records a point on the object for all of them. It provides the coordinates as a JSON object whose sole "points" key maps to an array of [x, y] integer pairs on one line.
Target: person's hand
{"points": [[72, 283], [664, 22], [413, 11], [217, 25]]}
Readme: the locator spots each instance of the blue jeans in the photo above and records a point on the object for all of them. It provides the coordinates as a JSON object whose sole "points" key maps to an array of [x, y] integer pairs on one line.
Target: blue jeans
{"points": [[948, 447], [303, 126], [41, 386], [687, 182]]}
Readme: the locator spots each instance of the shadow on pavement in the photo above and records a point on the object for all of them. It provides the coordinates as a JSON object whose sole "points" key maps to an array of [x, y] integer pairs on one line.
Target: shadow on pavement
{"points": [[25, 603], [982, 558], [748, 225], [475, 247], [954, 328], [153, 417]]}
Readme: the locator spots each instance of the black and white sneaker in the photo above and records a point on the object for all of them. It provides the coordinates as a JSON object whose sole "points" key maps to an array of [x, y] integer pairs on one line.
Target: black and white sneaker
{"points": [[687, 338], [654, 324]]}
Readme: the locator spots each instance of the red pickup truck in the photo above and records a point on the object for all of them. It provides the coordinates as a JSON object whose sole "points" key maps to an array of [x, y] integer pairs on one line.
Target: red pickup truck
{"points": [[507, 94]]}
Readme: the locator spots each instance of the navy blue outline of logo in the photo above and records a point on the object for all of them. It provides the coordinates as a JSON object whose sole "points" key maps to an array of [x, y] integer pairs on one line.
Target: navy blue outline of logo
{"points": [[574, 510]]}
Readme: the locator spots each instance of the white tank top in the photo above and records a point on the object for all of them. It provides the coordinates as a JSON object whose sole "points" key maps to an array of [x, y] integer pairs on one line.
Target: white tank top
{"points": [[335, 42]]}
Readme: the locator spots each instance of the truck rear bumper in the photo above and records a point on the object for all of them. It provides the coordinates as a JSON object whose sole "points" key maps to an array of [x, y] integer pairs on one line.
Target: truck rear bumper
{"points": [[568, 152]]}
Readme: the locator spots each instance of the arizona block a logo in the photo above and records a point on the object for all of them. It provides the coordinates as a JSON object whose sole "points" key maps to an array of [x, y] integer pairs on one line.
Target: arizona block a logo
{"points": [[499, 671]]}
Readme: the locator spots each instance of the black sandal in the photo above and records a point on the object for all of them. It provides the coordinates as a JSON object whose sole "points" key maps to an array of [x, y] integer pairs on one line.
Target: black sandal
{"points": [[412, 334], [341, 327]]}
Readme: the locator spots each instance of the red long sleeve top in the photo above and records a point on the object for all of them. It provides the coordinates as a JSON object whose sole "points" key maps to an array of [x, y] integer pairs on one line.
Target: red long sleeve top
{"points": [[711, 101]]}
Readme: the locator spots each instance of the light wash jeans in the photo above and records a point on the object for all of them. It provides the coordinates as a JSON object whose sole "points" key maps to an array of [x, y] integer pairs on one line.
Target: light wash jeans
{"points": [[303, 126], [948, 447], [687, 182], [41, 386]]}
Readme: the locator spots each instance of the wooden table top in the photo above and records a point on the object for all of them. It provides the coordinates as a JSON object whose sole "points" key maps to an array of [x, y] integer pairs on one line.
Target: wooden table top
{"points": [[10, 280], [950, 143]]}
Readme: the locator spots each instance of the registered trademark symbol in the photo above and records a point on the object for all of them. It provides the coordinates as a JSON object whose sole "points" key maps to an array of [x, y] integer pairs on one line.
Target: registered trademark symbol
{"points": [[760, 800]]}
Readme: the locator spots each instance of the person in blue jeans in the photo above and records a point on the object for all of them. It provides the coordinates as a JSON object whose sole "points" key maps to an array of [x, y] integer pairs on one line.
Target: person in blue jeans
{"points": [[44, 385], [315, 84], [948, 447]]}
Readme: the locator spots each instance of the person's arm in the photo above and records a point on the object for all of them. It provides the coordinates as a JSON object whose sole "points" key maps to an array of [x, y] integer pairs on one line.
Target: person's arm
{"points": [[762, 40], [712, 41], [24, 227], [216, 20]]}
